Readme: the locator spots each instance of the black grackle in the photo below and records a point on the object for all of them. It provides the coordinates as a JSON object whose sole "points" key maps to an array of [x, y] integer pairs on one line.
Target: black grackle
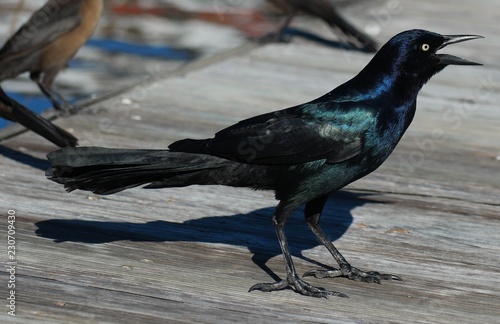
{"points": [[15, 112], [47, 41], [303, 153]]}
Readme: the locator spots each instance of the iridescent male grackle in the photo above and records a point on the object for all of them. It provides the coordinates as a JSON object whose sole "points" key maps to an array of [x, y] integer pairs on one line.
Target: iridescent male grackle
{"points": [[303, 153], [47, 41]]}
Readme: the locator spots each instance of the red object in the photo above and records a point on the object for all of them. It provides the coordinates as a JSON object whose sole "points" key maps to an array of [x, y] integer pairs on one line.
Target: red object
{"points": [[251, 22]]}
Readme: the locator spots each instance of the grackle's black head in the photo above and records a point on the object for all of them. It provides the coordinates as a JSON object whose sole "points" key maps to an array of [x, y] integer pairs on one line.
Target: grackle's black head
{"points": [[410, 59], [416, 50]]}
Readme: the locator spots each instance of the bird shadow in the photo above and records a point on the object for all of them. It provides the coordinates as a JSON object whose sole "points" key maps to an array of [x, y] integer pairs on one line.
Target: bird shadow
{"points": [[253, 230], [24, 158]]}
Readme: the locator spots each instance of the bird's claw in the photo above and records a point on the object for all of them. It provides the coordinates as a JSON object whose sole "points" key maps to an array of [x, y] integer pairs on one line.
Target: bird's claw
{"points": [[68, 109], [65, 108], [353, 274], [299, 286]]}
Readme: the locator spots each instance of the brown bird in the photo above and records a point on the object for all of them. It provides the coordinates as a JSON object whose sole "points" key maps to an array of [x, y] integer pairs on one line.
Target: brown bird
{"points": [[47, 41], [325, 9], [15, 112]]}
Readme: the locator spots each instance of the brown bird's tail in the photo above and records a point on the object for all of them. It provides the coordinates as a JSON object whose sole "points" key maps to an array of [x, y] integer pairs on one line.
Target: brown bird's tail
{"points": [[14, 111]]}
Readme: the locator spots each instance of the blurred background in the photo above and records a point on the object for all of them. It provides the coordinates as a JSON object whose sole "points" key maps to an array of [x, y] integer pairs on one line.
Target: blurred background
{"points": [[137, 38]]}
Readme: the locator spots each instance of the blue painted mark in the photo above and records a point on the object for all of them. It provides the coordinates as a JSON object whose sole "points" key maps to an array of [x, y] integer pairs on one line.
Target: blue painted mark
{"points": [[166, 52]]}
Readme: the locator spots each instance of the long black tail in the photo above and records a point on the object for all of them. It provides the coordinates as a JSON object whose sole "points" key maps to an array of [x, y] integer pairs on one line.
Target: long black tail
{"points": [[106, 171], [14, 111]]}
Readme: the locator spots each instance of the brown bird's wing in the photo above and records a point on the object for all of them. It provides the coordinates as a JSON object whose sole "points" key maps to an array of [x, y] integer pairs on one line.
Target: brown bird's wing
{"points": [[45, 25], [14, 111]]}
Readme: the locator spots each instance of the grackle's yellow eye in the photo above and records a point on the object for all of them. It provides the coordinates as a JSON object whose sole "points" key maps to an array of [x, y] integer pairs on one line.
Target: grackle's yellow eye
{"points": [[425, 47]]}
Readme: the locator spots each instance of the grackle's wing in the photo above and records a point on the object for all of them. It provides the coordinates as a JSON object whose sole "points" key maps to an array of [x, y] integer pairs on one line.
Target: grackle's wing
{"points": [[290, 136], [47, 24]]}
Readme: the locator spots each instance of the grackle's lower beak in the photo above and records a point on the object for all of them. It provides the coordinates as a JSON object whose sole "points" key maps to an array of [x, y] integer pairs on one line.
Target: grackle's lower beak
{"points": [[448, 59]]}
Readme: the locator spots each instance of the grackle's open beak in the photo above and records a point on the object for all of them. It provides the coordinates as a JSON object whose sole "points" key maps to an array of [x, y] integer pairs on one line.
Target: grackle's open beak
{"points": [[448, 59]]}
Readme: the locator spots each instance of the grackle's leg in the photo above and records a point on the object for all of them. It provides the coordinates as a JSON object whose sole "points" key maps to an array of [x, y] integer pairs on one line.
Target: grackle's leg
{"points": [[282, 213], [312, 214]]}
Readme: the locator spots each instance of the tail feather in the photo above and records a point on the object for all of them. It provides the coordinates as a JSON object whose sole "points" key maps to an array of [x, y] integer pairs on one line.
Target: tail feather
{"points": [[95, 156], [14, 111], [107, 171]]}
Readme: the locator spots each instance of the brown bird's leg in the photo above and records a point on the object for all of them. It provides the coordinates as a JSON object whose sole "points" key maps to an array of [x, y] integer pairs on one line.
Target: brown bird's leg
{"points": [[45, 85], [312, 214]]}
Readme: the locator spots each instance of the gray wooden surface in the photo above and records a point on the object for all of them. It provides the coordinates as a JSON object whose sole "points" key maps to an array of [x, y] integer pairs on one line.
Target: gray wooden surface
{"points": [[430, 214]]}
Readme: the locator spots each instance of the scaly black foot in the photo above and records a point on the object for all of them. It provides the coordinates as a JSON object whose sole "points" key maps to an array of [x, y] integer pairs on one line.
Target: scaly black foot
{"points": [[299, 286], [352, 273]]}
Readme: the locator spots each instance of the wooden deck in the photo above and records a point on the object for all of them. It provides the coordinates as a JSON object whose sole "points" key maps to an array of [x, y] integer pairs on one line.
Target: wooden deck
{"points": [[430, 214]]}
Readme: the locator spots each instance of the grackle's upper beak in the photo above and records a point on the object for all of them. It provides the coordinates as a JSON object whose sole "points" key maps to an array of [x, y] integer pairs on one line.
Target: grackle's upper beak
{"points": [[448, 59]]}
